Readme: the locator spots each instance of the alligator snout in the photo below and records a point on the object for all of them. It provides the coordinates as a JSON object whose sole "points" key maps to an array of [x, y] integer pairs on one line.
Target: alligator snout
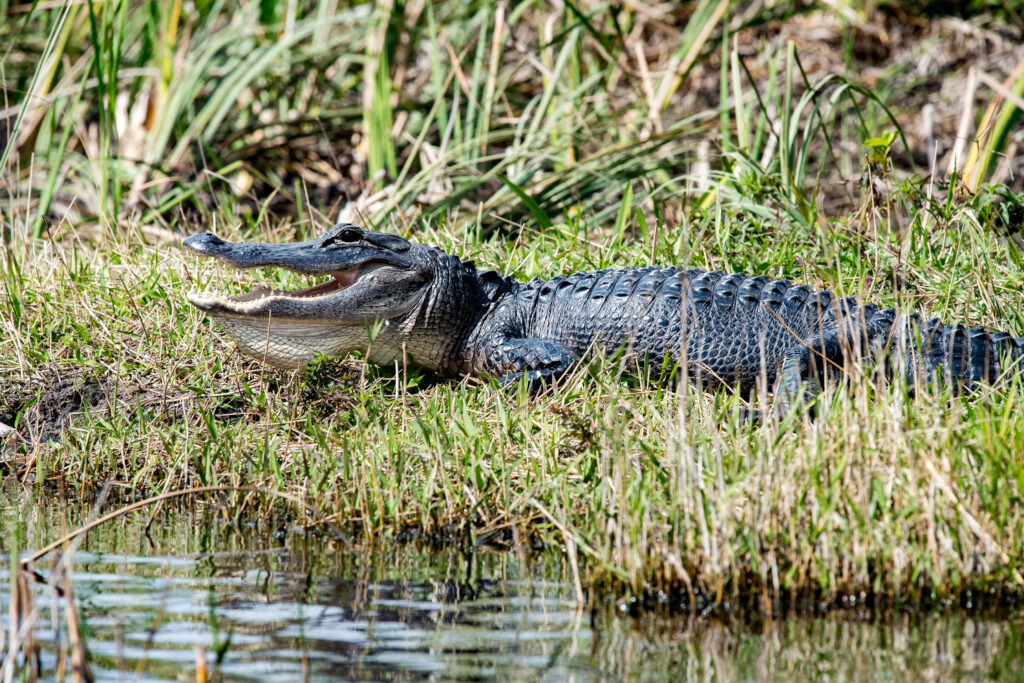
{"points": [[203, 243]]}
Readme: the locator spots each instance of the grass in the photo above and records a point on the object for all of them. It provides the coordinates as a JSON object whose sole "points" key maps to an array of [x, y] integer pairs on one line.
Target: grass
{"points": [[535, 142]]}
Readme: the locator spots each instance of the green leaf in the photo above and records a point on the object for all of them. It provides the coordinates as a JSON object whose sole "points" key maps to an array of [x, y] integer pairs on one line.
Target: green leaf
{"points": [[534, 208]]}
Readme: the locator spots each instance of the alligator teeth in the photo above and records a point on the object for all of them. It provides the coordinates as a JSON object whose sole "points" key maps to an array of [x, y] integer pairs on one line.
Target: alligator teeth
{"points": [[258, 294]]}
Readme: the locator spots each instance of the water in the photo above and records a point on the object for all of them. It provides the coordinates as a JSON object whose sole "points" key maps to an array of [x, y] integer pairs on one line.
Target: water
{"points": [[262, 603]]}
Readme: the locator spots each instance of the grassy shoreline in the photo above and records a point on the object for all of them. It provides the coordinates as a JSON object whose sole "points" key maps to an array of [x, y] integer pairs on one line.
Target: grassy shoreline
{"points": [[648, 488], [738, 140]]}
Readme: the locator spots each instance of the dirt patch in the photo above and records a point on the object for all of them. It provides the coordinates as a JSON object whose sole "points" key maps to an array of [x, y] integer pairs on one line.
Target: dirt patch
{"points": [[41, 410], [43, 407]]}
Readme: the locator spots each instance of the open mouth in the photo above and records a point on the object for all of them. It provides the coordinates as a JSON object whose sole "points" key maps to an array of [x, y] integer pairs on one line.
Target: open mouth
{"points": [[306, 303], [339, 281]]}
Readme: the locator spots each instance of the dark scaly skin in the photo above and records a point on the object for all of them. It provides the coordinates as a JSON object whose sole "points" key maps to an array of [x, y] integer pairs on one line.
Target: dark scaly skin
{"points": [[736, 329], [735, 326]]}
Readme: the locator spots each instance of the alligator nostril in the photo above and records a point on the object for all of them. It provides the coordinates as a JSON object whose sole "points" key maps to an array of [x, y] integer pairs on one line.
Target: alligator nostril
{"points": [[203, 243]]}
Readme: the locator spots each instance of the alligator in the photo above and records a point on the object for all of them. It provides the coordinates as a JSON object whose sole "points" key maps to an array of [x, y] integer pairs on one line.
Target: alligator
{"points": [[397, 301]]}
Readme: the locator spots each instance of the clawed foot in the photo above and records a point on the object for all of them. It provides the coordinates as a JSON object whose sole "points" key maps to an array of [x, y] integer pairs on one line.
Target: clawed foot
{"points": [[536, 381]]}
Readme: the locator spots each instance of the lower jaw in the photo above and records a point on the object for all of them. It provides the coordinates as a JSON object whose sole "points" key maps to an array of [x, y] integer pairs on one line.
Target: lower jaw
{"points": [[286, 344]]}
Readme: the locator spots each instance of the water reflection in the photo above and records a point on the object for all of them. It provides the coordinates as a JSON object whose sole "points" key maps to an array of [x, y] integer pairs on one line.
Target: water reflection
{"points": [[263, 605]]}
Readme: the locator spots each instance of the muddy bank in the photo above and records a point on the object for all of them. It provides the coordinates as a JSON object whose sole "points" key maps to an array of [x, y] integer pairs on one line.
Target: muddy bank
{"points": [[43, 407]]}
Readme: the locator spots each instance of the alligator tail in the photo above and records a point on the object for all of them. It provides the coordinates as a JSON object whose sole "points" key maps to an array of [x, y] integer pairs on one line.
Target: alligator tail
{"points": [[921, 351]]}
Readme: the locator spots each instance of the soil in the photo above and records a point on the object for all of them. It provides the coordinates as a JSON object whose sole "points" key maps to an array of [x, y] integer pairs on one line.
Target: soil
{"points": [[43, 407], [41, 411]]}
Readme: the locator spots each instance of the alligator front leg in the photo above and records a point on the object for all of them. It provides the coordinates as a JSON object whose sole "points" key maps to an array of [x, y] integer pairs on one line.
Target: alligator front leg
{"points": [[538, 362]]}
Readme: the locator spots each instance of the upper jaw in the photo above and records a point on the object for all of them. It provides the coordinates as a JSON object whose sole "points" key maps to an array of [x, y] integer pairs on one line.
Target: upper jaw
{"points": [[312, 257], [367, 281]]}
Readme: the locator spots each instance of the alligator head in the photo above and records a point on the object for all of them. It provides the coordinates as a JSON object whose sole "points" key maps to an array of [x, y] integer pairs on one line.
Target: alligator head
{"points": [[376, 279]]}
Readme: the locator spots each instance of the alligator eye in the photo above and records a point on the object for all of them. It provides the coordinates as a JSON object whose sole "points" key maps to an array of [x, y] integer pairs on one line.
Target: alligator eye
{"points": [[350, 235], [347, 234]]}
